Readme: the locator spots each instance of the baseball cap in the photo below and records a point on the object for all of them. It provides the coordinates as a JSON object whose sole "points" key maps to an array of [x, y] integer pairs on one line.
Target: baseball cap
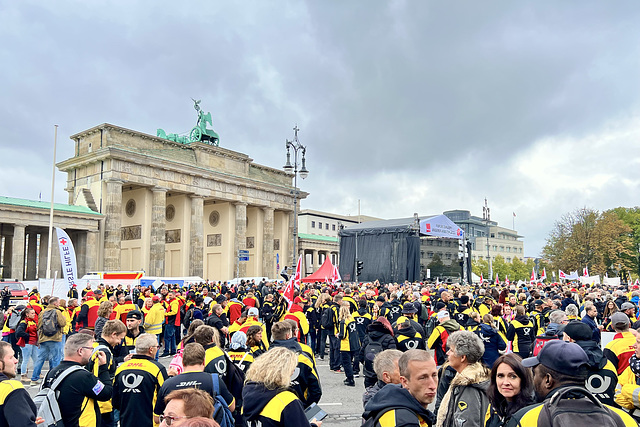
{"points": [[408, 308], [89, 294], [253, 312], [442, 314], [538, 302], [155, 298], [134, 314], [578, 331], [220, 299], [561, 356], [627, 306], [620, 319]]}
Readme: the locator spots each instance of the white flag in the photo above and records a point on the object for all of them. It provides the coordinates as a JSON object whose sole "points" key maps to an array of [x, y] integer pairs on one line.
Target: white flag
{"points": [[67, 256]]}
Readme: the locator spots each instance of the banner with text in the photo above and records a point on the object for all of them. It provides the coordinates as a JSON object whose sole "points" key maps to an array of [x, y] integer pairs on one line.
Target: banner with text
{"points": [[68, 257], [440, 226]]}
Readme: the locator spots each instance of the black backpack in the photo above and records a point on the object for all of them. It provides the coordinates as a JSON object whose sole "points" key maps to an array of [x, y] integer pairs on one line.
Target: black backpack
{"points": [[326, 320], [570, 412], [372, 349], [188, 317], [430, 326]]}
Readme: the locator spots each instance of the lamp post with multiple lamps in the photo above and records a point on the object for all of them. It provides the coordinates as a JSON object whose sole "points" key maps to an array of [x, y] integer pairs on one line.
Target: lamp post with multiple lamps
{"points": [[303, 172]]}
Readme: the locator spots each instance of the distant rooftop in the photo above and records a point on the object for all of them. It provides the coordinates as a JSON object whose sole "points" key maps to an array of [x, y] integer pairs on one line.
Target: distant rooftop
{"points": [[316, 237], [35, 204]]}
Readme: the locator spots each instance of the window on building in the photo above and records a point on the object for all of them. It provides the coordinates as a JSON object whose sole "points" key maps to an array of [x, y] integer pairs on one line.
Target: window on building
{"points": [[333, 227], [495, 247], [508, 259], [493, 235], [320, 225], [448, 255], [501, 248], [439, 243], [508, 248], [313, 224], [326, 226], [520, 250], [430, 254]]}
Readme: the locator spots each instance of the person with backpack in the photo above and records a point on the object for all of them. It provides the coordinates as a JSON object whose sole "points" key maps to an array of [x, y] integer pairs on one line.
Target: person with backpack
{"points": [[16, 406], [494, 344], [559, 372], [50, 324], [379, 338], [137, 383], [323, 305], [193, 376], [349, 342], [27, 335], [80, 388], [406, 404]]}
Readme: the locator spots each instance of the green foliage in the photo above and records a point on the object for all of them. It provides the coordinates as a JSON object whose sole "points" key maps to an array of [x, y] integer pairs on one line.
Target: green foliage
{"points": [[605, 242], [516, 270]]}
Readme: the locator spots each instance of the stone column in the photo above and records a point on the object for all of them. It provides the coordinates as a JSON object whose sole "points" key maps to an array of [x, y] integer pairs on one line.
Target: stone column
{"points": [[113, 223], [56, 262], [158, 228], [7, 254], [32, 253], [91, 249], [42, 255], [315, 259], [80, 243], [196, 251], [268, 269], [240, 241], [17, 256], [292, 257]]}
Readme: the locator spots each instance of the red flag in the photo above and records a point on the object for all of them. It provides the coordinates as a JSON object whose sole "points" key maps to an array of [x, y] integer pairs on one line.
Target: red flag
{"points": [[294, 283], [533, 275], [585, 272], [335, 277], [481, 278], [544, 274], [506, 281], [561, 274], [497, 280]]}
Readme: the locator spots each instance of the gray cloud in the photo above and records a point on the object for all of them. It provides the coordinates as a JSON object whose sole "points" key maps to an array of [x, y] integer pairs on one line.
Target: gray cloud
{"points": [[407, 106]]}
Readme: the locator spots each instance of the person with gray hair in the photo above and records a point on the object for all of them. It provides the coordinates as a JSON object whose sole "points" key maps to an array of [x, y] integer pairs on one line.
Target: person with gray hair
{"points": [[466, 397], [137, 383], [385, 365]]}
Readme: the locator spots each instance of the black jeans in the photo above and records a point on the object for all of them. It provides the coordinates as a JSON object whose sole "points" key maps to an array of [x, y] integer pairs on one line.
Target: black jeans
{"points": [[334, 352], [321, 343], [347, 363]]}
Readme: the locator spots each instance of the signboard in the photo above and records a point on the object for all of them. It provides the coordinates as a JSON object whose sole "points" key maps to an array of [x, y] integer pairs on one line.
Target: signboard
{"points": [[242, 252], [243, 258]]}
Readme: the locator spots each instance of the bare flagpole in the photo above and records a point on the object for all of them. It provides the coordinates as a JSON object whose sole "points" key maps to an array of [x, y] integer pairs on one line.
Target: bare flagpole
{"points": [[53, 184]]}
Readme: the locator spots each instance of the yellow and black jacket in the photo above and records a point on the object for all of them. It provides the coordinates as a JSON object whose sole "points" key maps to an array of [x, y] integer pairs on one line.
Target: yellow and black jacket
{"points": [[348, 335], [521, 333], [135, 390], [16, 407], [305, 381], [394, 406], [271, 408], [101, 345], [530, 415], [82, 391]]}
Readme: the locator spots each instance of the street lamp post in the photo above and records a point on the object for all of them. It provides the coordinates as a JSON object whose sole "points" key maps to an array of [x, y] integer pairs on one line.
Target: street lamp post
{"points": [[293, 168], [486, 216]]}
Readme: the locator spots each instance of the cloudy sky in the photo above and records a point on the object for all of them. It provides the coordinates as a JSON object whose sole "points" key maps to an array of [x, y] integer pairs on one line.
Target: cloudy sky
{"points": [[407, 106]]}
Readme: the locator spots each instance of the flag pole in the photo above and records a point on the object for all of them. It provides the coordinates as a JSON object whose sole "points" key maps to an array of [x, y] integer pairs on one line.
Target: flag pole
{"points": [[53, 186]]}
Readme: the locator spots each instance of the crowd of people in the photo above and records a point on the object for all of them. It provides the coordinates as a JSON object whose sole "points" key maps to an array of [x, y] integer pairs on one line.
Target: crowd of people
{"points": [[429, 354]]}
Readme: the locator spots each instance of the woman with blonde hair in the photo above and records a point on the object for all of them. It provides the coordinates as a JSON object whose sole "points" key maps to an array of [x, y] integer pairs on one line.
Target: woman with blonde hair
{"points": [[104, 312], [349, 342], [267, 380]]}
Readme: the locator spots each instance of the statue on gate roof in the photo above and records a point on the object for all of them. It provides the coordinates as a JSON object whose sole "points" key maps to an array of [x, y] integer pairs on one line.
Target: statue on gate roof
{"points": [[200, 133]]}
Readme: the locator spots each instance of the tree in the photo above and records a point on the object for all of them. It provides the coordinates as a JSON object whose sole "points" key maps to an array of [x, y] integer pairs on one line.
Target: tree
{"points": [[589, 238]]}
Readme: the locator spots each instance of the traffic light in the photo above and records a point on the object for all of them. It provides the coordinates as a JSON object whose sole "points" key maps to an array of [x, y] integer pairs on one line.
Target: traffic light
{"points": [[359, 267], [460, 249]]}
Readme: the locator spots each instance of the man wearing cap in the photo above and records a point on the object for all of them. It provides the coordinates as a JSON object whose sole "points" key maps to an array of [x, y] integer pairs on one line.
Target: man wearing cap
{"points": [[88, 312], [620, 349], [438, 339], [559, 374], [602, 376], [134, 330], [462, 316], [408, 311], [252, 320], [73, 292], [629, 309]]}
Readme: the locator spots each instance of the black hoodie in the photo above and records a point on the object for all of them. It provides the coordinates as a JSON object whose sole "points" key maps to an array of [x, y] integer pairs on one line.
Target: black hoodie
{"points": [[288, 409], [603, 378], [306, 381], [408, 339], [407, 410], [379, 333]]}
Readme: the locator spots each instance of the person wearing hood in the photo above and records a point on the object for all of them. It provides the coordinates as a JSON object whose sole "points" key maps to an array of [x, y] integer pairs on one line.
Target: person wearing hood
{"points": [[467, 395], [305, 383], [379, 337], [438, 339], [407, 337], [521, 333], [406, 404], [408, 312], [602, 377], [238, 352], [493, 342], [268, 400], [395, 309]]}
